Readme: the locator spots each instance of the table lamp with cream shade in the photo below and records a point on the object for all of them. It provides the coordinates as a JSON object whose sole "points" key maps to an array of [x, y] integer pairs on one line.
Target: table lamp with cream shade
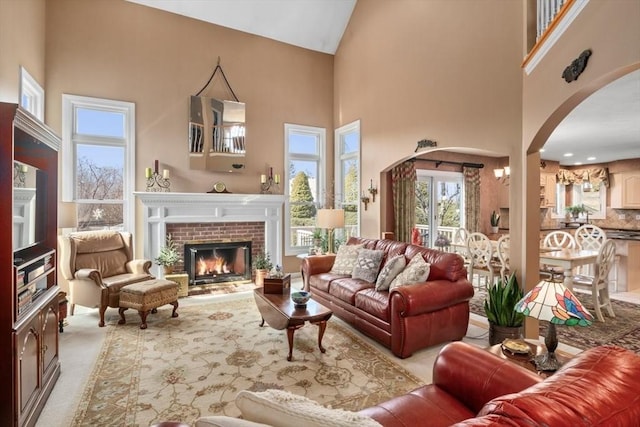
{"points": [[553, 302], [330, 219], [67, 215]]}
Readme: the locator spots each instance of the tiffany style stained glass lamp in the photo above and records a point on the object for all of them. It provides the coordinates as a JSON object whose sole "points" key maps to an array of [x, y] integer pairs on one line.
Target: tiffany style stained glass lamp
{"points": [[553, 302]]}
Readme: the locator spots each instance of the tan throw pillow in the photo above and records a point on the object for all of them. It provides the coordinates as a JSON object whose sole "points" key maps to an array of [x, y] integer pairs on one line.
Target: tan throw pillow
{"points": [[415, 272], [391, 269], [284, 409], [367, 265], [345, 259]]}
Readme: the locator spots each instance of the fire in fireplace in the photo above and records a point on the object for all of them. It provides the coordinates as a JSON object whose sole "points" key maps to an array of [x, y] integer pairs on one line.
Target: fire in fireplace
{"points": [[217, 262]]}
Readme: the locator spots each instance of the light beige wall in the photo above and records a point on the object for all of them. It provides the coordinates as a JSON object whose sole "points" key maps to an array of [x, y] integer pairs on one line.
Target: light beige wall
{"points": [[120, 50], [610, 29], [443, 70], [22, 41]]}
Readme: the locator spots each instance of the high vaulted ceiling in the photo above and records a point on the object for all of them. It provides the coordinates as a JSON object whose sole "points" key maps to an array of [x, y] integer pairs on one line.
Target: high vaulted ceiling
{"points": [[603, 128]]}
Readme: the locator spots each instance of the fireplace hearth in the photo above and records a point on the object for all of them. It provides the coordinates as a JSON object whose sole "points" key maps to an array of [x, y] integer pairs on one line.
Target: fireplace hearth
{"points": [[217, 262]]}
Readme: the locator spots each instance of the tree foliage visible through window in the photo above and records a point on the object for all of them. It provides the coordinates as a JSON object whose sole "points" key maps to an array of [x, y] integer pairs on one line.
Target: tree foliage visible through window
{"points": [[303, 211]]}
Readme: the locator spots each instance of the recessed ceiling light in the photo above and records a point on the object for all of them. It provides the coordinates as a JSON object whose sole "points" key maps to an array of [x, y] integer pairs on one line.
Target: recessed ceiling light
{"points": [[568, 154], [542, 150], [577, 163], [591, 158]]}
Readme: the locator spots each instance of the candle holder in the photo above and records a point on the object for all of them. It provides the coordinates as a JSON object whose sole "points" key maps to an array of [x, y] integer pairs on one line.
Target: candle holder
{"points": [[373, 191], [365, 200], [19, 175], [157, 182], [267, 182]]}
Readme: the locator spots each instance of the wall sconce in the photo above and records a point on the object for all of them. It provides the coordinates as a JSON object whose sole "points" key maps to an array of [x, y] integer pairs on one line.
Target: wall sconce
{"points": [[502, 175], [268, 181], [157, 182], [373, 191], [365, 200]]}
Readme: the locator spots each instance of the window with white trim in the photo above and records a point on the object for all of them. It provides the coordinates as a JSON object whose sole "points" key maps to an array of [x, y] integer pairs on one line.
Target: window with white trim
{"points": [[303, 182], [31, 94], [98, 158], [347, 177]]}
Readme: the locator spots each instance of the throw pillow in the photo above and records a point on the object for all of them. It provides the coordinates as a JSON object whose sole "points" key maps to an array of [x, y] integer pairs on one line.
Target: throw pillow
{"points": [[416, 271], [284, 409], [391, 269], [345, 259], [367, 265]]}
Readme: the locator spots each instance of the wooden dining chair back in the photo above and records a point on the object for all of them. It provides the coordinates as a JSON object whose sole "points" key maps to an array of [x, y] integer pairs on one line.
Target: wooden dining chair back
{"points": [[503, 255], [480, 254], [559, 240], [598, 284], [589, 236]]}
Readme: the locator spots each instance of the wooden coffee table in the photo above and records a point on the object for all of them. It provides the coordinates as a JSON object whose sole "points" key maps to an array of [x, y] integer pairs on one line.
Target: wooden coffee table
{"points": [[524, 360], [280, 313]]}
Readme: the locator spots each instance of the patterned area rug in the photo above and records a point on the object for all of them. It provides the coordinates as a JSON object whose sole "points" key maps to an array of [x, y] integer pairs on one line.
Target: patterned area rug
{"points": [[182, 368], [623, 330]]}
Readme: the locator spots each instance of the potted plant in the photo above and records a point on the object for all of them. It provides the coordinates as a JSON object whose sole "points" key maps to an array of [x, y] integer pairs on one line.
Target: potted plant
{"points": [[504, 321], [262, 264], [576, 210], [168, 255], [495, 221]]}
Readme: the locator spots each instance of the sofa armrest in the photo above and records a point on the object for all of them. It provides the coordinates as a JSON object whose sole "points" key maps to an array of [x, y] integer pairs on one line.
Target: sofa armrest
{"points": [[90, 274], [317, 264], [415, 299], [474, 376], [138, 266]]}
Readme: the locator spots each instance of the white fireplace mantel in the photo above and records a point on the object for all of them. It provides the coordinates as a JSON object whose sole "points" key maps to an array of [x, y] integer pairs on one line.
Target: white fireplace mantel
{"points": [[161, 209]]}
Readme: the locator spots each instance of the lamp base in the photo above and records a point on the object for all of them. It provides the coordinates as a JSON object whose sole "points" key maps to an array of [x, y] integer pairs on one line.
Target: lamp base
{"points": [[546, 362]]}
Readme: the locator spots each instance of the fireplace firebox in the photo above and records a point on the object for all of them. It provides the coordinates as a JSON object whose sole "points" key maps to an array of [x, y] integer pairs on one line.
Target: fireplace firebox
{"points": [[217, 262]]}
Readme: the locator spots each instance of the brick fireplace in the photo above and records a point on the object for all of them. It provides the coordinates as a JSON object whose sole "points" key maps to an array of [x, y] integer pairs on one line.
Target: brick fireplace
{"points": [[212, 217]]}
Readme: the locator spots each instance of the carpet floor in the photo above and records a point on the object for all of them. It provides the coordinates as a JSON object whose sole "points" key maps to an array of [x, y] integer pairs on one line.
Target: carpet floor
{"points": [[193, 365], [623, 330]]}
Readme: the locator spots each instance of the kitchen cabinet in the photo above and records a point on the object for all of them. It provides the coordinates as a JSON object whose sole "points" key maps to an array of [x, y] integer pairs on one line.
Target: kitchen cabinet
{"points": [[547, 190], [625, 190], [628, 271]]}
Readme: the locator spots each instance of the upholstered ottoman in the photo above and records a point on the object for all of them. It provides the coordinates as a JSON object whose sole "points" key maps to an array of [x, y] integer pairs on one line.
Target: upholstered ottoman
{"points": [[146, 297]]}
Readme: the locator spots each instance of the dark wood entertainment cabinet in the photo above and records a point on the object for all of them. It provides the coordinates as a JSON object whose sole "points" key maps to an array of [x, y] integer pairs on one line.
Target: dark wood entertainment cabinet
{"points": [[28, 258]]}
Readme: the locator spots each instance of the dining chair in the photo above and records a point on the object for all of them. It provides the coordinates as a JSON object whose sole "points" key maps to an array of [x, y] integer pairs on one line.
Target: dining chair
{"points": [[598, 284], [560, 240], [503, 255], [480, 253], [590, 237], [459, 238]]}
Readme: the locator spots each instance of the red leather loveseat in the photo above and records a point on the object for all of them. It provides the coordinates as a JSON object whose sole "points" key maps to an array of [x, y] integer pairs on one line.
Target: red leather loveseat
{"points": [[472, 387], [407, 318]]}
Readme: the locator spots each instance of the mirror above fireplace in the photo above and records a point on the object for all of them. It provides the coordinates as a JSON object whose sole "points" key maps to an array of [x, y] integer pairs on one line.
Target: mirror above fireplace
{"points": [[216, 134]]}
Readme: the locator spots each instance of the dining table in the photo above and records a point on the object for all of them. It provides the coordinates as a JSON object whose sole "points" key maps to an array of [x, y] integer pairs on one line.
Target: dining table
{"points": [[568, 259]]}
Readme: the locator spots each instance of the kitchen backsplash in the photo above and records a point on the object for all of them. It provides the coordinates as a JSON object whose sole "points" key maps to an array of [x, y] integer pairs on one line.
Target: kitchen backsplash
{"points": [[613, 220]]}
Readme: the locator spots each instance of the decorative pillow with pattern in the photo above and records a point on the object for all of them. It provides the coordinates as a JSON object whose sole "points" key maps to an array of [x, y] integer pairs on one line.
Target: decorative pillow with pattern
{"points": [[345, 259], [284, 409], [391, 269], [415, 272], [367, 265]]}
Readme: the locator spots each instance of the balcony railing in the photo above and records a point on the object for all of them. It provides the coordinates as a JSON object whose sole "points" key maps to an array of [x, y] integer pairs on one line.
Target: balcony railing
{"points": [[547, 11]]}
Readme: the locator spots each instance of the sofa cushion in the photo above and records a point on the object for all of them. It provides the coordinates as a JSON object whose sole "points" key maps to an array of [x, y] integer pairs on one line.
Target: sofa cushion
{"points": [[284, 409], [346, 289], [415, 272], [367, 264], [345, 259], [373, 302], [391, 269]]}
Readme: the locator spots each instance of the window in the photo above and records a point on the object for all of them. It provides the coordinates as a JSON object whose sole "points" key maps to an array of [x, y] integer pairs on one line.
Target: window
{"points": [[98, 161], [439, 205], [31, 95], [592, 196], [303, 183], [347, 173]]}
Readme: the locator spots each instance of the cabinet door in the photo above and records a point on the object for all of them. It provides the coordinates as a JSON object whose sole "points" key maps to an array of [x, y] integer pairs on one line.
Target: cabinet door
{"points": [[27, 364], [625, 190], [49, 338], [550, 189]]}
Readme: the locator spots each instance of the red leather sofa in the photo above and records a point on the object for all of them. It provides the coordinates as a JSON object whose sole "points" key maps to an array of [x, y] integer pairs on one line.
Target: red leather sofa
{"points": [[472, 387], [407, 318]]}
